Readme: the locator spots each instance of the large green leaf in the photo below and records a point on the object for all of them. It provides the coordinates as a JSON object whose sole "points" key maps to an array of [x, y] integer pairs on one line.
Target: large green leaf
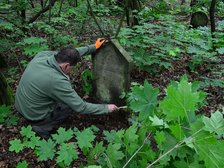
{"points": [[96, 152], [144, 100], [114, 154], [67, 153], [211, 152], [85, 138], [27, 132], [215, 123], [62, 135], [131, 139], [181, 101], [45, 150], [16, 145]]}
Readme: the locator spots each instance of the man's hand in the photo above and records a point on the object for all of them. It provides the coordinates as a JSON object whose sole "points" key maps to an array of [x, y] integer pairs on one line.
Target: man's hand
{"points": [[112, 108], [99, 42]]}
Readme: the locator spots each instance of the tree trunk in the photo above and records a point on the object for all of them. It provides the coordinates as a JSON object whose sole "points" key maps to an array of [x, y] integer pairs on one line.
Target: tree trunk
{"points": [[32, 4], [212, 16], [130, 6], [23, 16], [59, 12], [5, 91]]}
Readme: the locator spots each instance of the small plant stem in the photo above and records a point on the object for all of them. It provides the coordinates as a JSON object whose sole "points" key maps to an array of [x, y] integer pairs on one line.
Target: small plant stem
{"points": [[91, 12], [175, 147], [148, 136], [110, 165]]}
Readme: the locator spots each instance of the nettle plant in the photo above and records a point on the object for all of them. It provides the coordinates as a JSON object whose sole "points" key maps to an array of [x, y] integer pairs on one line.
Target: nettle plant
{"points": [[166, 133]]}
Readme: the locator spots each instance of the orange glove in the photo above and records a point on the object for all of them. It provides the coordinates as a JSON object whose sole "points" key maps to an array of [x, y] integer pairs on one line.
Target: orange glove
{"points": [[99, 42]]}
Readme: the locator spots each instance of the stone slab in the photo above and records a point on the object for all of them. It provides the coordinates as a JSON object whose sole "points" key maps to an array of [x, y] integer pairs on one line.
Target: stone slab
{"points": [[111, 71]]}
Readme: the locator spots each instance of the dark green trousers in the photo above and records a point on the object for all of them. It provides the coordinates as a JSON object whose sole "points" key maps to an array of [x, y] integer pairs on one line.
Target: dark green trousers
{"points": [[44, 127]]}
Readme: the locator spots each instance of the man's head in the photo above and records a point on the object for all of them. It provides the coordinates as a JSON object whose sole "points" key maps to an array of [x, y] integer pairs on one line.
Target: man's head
{"points": [[67, 58]]}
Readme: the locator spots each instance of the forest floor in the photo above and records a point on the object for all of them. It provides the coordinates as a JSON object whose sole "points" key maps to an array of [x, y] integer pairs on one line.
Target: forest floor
{"points": [[114, 121]]}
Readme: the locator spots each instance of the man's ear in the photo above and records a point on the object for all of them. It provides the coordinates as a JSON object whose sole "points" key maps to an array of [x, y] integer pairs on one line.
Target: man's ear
{"points": [[66, 65]]}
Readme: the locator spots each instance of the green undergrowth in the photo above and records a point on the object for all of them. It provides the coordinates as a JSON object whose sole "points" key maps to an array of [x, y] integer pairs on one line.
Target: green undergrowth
{"points": [[166, 133]]}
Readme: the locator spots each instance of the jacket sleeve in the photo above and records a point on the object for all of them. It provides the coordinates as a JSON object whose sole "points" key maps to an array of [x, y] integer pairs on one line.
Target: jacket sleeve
{"points": [[89, 49], [62, 91]]}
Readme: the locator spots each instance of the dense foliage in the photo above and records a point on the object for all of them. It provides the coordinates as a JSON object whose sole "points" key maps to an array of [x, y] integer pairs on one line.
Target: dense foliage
{"points": [[167, 124]]}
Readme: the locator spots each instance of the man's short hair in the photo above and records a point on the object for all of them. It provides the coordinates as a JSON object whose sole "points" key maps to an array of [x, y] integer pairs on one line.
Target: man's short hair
{"points": [[68, 55]]}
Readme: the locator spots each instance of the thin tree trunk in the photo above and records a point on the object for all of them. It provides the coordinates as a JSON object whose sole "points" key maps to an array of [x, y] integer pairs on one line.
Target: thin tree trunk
{"points": [[42, 3], [59, 12], [212, 16], [32, 4], [92, 14], [49, 16], [76, 3], [23, 16]]}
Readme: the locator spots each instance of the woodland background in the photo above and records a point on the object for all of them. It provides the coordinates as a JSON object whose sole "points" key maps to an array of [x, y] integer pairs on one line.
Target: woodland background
{"points": [[175, 104]]}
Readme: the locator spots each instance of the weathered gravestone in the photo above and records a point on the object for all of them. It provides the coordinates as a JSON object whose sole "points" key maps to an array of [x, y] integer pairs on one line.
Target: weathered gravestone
{"points": [[111, 71], [199, 19]]}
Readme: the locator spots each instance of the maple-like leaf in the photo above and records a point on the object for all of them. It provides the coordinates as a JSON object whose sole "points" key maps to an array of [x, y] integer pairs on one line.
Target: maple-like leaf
{"points": [[32, 142], [62, 135], [67, 153], [12, 120], [45, 150], [158, 122], [5, 111], [144, 100], [177, 131], [215, 123], [146, 154], [210, 151], [22, 164], [27, 132], [160, 138], [85, 138], [96, 152], [114, 153], [109, 135], [16, 145], [181, 101], [131, 139]]}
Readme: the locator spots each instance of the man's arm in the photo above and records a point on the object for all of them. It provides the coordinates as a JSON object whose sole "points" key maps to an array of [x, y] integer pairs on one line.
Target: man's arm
{"points": [[62, 91], [90, 48]]}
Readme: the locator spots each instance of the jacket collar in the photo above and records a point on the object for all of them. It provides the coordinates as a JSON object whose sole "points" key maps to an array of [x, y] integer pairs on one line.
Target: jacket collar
{"points": [[53, 63]]}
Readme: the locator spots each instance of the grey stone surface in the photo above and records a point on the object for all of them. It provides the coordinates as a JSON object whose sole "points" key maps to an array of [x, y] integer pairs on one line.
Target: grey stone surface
{"points": [[198, 19], [111, 71]]}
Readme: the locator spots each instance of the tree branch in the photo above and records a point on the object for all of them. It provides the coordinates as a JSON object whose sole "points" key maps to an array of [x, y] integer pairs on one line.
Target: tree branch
{"points": [[45, 9], [175, 147], [92, 14], [148, 136]]}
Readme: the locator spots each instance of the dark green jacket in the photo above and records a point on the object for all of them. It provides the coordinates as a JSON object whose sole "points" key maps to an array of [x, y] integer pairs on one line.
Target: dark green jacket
{"points": [[43, 85]]}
